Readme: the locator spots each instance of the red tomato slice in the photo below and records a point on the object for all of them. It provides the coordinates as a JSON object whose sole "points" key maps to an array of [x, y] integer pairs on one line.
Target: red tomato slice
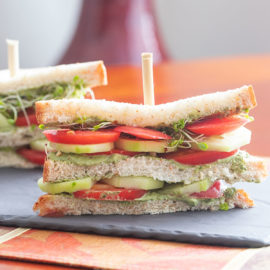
{"points": [[36, 157], [21, 120], [217, 126], [68, 136], [143, 133], [116, 151], [88, 95], [198, 157], [110, 193], [213, 192]]}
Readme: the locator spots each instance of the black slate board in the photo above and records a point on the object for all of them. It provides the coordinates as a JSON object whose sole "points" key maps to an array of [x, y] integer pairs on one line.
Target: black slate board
{"points": [[246, 228]]}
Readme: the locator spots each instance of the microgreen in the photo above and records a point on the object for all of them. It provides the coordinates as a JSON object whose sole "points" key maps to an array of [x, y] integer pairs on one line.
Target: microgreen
{"points": [[81, 120], [203, 146], [101, 125], [12, 104], [179, 125], [250, 118], [224, 206]]}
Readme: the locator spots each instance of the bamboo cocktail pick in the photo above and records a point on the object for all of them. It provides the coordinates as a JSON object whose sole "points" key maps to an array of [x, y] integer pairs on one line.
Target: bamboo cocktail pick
{"points": [[148, 81], [13, 57]]}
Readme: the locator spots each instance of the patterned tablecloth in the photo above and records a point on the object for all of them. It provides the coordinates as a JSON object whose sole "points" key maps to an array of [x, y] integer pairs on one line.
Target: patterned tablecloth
{"points": [[106, 252]]}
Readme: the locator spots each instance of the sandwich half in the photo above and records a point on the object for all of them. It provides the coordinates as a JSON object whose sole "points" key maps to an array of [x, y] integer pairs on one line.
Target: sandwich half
{"points": [[21, 141], [107, 157]]}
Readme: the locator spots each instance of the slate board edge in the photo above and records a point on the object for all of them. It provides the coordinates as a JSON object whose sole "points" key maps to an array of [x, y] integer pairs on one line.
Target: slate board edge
{"points": [[137, 232]]}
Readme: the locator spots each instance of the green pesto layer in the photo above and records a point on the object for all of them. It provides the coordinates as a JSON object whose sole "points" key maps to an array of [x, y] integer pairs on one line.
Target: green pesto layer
{"points": [[237, 161]]}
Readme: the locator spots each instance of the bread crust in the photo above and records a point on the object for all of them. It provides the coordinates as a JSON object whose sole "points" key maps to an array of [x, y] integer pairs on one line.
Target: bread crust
{"points": [[67, 111], [93, 74], [61, 205]]}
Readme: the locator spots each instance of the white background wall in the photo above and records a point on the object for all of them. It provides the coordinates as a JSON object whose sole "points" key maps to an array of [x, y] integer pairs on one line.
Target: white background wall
{"points": [[43, 27], [191, 28]]}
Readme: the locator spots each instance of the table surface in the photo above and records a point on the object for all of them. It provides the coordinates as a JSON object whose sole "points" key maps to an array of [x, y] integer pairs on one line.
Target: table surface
{"points": [[173, 80]]}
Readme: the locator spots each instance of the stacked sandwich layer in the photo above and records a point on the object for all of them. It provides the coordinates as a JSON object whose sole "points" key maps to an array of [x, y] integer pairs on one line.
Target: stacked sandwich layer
{"points": [[21, 141], [117, 158]]}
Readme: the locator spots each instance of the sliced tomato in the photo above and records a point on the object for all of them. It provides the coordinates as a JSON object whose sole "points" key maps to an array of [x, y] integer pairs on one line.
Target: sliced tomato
{"points": [[213, 192], [68, 136], [143, 133], [21, 120], [110, 193], [116, 151], [88, 95], [36, 157], [218, 126], [191, 157]]}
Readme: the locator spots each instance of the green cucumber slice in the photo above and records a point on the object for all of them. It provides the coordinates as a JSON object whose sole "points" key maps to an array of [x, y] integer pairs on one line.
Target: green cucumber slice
{"points": [[4, 124], [82, 148], [39, 145], [134, 182], [181, 189], [67, 186], [159, 146], [227, 142]]}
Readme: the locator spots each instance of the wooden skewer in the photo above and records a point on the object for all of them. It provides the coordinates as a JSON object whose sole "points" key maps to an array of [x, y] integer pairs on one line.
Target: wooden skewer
{"points": [[148, 81], [13, 56]]}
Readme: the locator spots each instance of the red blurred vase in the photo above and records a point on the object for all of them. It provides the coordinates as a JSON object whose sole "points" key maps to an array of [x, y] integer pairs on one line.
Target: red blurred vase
{"points": [[116, 31]]}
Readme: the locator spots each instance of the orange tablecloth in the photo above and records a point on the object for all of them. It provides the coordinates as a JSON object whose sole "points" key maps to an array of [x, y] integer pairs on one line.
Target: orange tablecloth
{"points": [[172, 80], [106, 252]]}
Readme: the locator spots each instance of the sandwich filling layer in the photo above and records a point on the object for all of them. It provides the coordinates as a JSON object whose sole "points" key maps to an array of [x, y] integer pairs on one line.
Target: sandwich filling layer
{"points": [[18, 124], [188, 162], [65, 204]]}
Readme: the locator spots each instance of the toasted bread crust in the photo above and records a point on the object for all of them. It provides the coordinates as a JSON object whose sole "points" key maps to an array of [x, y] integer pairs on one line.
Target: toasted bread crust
{"points": [[61, 205], [93, 74], [67, 111], [251, 98]]}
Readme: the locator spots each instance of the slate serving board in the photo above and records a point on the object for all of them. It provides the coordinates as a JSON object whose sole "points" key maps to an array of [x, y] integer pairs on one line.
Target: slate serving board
{"points": [[243, 228]]}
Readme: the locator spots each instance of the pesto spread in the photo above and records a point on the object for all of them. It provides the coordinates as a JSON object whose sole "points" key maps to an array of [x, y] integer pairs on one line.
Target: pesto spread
{"points": [[237, 161], [86, 160]]}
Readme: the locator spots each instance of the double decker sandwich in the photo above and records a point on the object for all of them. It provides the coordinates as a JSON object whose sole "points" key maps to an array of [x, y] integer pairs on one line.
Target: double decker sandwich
{"points": [[21, 141], [108, 157]]}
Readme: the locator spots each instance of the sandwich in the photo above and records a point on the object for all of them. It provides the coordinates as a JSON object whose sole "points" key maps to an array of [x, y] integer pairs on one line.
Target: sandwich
{"points": [[108, 157], [21, 141]]}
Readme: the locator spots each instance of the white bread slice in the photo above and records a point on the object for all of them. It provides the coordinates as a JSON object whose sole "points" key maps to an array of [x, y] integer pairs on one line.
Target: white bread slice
{"points": [[67, 111], [20, 136], [161, 169], [60, 205], [12, 159], [93, 73]]}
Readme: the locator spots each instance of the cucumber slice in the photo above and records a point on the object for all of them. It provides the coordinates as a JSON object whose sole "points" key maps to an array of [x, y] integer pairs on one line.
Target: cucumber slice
{"points": [[180, 189], [144, 145], [134, 182], [4, 124], [227, 142], [39, 145], [82, 148], [67, 186]]}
